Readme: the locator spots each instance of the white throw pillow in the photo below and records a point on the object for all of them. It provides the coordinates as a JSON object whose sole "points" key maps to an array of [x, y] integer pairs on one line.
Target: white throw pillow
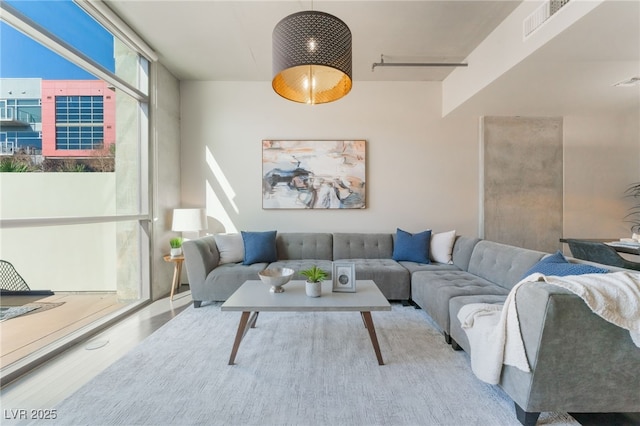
{"points": [[442, 247], [230, 247]]}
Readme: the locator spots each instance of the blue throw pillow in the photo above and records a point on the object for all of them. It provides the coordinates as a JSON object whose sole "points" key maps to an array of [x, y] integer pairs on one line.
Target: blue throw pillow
{"points": [[259, 247], [559, 266], [412, 247]]}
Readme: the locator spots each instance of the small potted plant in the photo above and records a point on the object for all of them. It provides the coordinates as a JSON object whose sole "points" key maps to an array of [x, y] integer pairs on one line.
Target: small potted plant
{"points": [[315, 276], [176, 246]]}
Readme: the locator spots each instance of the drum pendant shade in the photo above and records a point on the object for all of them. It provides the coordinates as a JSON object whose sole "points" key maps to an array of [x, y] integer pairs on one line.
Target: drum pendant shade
{"points": [[311, 58]]}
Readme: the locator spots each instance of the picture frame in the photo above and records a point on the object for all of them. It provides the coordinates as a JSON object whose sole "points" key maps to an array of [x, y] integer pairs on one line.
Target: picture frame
{"points": [[314, 174], [344, 277]]}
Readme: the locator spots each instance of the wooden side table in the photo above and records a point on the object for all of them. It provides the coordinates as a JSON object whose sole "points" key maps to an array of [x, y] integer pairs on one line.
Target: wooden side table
{"points": [[177, 271]]}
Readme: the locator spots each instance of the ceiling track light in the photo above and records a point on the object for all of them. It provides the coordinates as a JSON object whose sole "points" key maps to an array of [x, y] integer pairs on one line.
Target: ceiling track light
{"points": [[382, 63]]}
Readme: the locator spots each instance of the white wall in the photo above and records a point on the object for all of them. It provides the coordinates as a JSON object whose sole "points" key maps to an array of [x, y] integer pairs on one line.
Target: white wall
{"points": [[165, 165], [600, 162], [422, 170], [60, 257]]}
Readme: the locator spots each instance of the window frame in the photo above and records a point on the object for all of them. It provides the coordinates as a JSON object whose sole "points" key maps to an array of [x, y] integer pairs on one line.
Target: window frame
{"points": [[146, 56]]}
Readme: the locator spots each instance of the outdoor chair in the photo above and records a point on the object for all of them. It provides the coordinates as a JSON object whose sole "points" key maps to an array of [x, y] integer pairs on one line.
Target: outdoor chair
{"points": [[10, 279]]}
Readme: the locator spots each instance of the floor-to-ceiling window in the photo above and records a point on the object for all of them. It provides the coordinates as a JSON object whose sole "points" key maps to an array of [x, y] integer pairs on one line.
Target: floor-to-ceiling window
{"points": [[73, 159]]}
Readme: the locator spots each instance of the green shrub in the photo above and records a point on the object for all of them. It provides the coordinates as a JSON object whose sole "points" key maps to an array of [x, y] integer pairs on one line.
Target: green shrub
{"points": [[9, 165]]}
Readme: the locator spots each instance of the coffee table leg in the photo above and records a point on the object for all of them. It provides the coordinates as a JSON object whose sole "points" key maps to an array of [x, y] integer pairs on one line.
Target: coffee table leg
{"points": [[368, 322], [244, 326], [254, 318]]}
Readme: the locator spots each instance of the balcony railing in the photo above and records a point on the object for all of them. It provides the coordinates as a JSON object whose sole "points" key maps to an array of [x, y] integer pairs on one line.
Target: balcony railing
{"points": [[10, 116], [7, 148]]}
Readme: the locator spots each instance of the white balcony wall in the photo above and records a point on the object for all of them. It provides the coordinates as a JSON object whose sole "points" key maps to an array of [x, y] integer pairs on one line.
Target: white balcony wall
{"points": [[76, 258]]}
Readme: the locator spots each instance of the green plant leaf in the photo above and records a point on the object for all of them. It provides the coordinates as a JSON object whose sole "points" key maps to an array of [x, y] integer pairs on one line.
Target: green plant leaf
{"points": [[314, 274]]}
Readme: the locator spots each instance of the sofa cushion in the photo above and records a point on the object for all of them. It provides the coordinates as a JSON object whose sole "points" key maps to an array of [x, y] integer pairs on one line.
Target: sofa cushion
{"points": [[456, 303], [392, 279], [502, 264], [441, 247], [224, 280], [230, 247], [362, 246], [433, 266], [412, 247], [302, 245], [556, 264], [259, 247], [432, 290], [462, 251]]}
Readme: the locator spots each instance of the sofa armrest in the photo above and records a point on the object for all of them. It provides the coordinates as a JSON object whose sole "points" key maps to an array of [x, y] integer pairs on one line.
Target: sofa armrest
{"points": [[201, 256], [579, 361], [462, 250]]}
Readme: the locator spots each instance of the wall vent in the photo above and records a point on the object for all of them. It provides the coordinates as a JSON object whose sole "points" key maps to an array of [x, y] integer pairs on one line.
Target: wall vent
{"points": [[547, 9]]}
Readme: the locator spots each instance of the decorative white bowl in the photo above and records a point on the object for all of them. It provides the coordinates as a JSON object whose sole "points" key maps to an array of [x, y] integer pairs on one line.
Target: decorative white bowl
{"points": [[276, 278]]}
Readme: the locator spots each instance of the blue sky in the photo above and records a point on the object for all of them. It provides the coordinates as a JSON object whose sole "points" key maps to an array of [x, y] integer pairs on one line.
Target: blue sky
{"points": [[21, 57]]}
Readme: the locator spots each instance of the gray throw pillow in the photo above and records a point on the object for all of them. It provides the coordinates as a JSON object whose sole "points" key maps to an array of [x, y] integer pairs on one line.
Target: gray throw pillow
{"points": [[230, 247]]}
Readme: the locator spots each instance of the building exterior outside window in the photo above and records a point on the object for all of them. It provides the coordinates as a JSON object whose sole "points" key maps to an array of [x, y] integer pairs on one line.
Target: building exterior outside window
{"points": [[79, 122], [56, 118], [20, 116], [78, 118]]}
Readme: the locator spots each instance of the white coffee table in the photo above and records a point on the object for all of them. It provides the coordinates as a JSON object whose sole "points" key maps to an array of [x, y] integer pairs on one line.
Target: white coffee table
{"points": [[254, 297]]}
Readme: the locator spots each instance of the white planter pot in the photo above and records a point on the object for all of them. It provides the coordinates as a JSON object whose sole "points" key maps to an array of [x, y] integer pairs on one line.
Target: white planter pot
{"points": [[175, 252], [313, 289]]}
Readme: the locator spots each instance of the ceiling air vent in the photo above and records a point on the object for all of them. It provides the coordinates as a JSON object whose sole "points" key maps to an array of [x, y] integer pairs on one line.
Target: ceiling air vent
{"points": [[547, 9]]}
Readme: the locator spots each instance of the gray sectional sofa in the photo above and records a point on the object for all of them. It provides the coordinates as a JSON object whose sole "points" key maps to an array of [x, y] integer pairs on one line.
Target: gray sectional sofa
{"points": [[579, 362], [484, 272], [372, 254]]}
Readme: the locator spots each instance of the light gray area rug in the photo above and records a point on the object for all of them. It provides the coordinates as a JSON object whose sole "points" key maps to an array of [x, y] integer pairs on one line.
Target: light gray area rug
{"points": [[292, 369]]}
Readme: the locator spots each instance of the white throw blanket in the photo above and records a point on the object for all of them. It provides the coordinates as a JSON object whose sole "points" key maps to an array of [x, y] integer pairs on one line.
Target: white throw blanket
{"points": [[494, 330]]}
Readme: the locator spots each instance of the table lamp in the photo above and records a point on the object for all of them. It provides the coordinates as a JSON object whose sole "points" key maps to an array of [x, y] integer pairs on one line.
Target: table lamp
{"points": [[189, 222]]}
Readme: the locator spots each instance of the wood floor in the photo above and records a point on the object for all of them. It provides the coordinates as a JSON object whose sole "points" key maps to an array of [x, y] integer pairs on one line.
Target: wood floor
{"points": [[57, 316], [58, 378]]}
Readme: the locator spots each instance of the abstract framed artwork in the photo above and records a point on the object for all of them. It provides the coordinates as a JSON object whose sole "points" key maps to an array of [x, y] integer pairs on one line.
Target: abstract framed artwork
{"points": [[313, 174]]}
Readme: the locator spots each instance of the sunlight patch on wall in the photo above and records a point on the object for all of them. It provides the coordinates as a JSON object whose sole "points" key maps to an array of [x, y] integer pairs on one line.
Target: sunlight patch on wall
{"points": [[220, 177], [215, 209], [219, 197]]}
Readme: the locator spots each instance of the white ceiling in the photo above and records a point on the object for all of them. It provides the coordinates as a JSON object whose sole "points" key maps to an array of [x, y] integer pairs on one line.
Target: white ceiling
{"points": [[576, 71], [231, 40]]}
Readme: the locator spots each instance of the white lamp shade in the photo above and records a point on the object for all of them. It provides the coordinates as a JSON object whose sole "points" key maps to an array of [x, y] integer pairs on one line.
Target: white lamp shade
{"points": [[188, 220]]}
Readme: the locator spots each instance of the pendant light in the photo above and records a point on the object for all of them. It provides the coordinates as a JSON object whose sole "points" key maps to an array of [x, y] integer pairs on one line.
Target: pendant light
{"points": [[311, 58]]}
